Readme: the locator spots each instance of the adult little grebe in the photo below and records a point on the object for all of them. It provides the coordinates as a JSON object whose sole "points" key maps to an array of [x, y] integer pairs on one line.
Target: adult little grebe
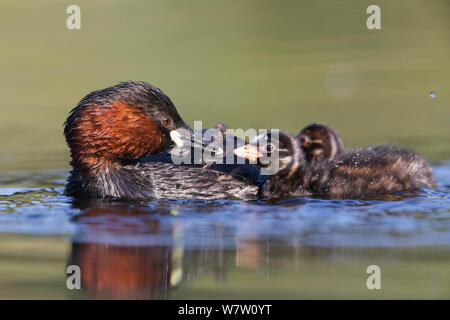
{"points": [[320, 141], [116, 136], [356, 174]]}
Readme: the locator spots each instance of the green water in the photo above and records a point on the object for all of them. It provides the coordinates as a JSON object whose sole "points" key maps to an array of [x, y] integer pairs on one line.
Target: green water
{"points": [[251, 64], [35, 269]]}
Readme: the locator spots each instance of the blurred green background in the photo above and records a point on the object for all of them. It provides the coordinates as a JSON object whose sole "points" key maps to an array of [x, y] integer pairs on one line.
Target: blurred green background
{"points": [[256, 64]]}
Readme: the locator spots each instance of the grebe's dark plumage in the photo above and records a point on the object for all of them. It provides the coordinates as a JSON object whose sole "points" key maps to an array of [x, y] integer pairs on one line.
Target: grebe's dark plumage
{"points": [[320, 141], [356, 174], [118, 138]]}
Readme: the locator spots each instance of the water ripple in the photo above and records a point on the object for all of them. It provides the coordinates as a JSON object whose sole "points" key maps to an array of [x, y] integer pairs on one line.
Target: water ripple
{"points": [[411, 221]]}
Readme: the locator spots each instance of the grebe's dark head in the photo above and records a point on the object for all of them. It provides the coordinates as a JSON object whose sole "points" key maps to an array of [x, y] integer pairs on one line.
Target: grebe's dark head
{"points": [[320, 141], [274, 146], [123, 122]]}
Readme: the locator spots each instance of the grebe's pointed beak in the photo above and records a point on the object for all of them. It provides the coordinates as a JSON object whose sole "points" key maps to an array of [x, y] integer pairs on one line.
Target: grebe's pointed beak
{"points": [[177, 138], [188, 138], [248, 152]]}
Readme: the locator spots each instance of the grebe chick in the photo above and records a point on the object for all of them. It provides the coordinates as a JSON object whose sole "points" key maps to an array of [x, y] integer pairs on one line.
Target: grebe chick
{"points": [[356, 174], [320, 141]]}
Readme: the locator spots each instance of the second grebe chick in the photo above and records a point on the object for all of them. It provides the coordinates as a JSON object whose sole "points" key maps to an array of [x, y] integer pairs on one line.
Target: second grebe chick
{"points": [[320, 141]]}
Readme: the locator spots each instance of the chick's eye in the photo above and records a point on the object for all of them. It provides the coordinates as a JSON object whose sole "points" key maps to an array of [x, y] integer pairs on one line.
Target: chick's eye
{"points": [[166, 121], [303, 140], [269, 147]]}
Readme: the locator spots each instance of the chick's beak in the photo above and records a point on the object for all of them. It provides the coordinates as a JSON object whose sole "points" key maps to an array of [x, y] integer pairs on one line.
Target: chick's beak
{"points": [[248, 152]]}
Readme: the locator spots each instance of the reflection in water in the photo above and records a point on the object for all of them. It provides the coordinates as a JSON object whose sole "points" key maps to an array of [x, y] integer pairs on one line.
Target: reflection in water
{"points": [[150, 250], [121, 271], [139, 271]]}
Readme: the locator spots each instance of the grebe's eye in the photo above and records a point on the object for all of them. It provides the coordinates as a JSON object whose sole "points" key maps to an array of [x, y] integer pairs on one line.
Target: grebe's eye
{"points": [[303, 140], [269, 147], [166, 121]]}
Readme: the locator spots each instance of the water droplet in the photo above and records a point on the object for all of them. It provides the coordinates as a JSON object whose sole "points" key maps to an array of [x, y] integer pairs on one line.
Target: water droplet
{"points": [[432, 94]]}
